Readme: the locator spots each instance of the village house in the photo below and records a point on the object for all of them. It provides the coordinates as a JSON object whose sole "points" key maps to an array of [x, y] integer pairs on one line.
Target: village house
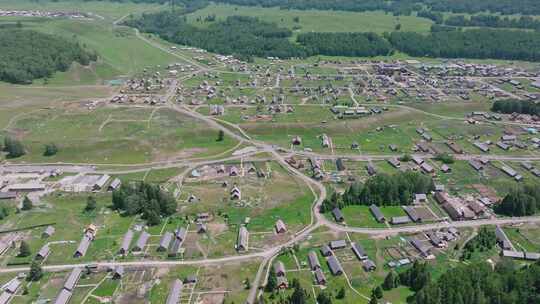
{"points": [[141, 242], [338, 216], [334, 265], [243, 239], [313, 260], [175, 292], [126, 242], [338, 244], [165, 241], [280, 226], [377, 214]]}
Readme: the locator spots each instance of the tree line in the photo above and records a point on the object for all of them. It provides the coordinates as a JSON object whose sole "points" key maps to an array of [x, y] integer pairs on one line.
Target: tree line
{"points": [[523, 22], [244, 37], [248, 37], [381, 190], [509, 106], [473, 43], [523, 200], [145, 199], [26, 55]]}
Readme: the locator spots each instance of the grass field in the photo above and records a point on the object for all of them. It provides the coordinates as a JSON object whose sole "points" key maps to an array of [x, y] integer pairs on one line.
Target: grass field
{"points": [[319, 21], [115, 135]]}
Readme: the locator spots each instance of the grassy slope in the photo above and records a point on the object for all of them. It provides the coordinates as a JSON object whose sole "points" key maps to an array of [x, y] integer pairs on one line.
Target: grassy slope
{"points": [[325, 21]]}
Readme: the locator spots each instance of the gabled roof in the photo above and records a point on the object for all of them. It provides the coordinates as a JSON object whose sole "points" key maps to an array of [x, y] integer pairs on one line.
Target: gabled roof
{"points": [[141, 242], [44, 251], [359, 251], [180, 233], [165, 240], [313, 260], [83, 246], [63, 297], [126, 241], [335, 266], [13, 285], [319, 277], [72, 279], [279, 268], [176, 291]]}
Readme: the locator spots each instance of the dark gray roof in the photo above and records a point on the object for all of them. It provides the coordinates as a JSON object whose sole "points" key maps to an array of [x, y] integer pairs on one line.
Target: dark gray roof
{"points": [[376, 211], [335, 266], [243, 238], [435, 240], [359, 251], [126, 241], [279, 268], [8, 195], [180, 233], [72, 279], [175, 248], [313, 260], [141, 242], [5, 297], [13, 285], [338, 244], [165, 240], [176, 291], [502, 239], [368, 265], [44, 251], [325, 250], [319, 276], [396, 220], [63, 297], [412, 213], [83, 246], [119, 271], [49, 230], [337, 214], [416, 244]]}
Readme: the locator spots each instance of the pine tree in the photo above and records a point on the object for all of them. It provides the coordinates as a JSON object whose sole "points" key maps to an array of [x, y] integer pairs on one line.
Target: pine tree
{"points": [[341, 293], [390, 281], [27, 204], [90, 204], [377, 292], [324, 298], [13, 147], [221, 135], [50, 150], [24, 249], [36, 272], [271, 283]]}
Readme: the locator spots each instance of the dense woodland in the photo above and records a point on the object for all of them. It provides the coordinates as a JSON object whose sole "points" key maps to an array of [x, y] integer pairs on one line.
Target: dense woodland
{"points": [[27, 55], [509, 106], [480, 283], [382, 190], [248, 37], [397, 7], [521, 201], [474, 43], [244, 37], [483, 241], [524, 22], [145, 199], [345, 44]]}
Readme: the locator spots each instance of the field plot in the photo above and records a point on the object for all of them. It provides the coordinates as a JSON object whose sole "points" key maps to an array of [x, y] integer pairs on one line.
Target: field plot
{"points": [[115, 135], [264, 200], [313, 20]]}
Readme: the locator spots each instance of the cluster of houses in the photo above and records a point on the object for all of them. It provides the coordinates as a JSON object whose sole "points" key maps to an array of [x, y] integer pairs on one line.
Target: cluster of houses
{"points": [[89, 183], [355, 112], [170, 242], [44, 14]]}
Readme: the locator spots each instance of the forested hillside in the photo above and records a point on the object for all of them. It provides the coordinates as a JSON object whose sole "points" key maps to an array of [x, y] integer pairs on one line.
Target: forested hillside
{"points": [[480, 284], [27, 55], [243, 37], [247, 37], [476, 43]]}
